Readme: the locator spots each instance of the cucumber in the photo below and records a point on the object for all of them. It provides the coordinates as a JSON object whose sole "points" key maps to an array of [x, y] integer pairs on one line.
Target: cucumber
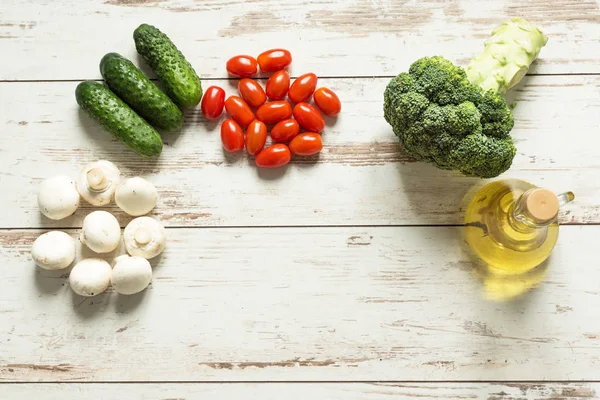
{"points": [[140, 93], [176, 74], [106, 108]]}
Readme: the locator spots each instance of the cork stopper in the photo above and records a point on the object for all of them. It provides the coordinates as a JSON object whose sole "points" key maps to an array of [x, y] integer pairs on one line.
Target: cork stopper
{"points": [[542, 205]]}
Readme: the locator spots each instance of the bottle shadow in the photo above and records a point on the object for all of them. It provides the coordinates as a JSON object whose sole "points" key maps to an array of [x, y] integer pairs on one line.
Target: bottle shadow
{"points": [[497, 285]]}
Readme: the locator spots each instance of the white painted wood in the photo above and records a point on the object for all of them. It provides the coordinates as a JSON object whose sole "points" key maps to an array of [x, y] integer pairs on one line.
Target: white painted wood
{"points": [[361, 177], [65, 40], [303, 391], [324, 304]]}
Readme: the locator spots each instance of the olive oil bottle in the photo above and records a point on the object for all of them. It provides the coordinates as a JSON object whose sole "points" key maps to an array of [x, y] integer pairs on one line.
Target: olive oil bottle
{"points": [[512, 224]]}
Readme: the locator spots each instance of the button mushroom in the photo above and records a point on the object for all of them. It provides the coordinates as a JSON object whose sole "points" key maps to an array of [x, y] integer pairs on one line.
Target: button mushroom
{"points": [[90, 277], [136, 196], [53, 250], [101, 232], [131, 275], [98, 181], [144, 237], [58, 197]]}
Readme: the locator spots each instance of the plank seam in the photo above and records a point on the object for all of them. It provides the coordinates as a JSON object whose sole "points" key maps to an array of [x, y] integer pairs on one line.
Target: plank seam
{"points": [[265, 78]]}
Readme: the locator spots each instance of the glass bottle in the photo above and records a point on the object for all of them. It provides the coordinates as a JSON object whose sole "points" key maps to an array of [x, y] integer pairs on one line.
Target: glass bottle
{"points": [[513, 225]]}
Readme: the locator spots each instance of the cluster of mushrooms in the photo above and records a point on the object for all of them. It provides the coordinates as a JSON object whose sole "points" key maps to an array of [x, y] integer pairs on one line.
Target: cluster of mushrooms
{"points": [[99, 183]]}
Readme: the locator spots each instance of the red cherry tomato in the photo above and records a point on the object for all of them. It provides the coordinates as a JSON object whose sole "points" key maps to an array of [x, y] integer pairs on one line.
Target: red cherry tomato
{"points": [[256, 137], [252, 92], [327, 101], [306, 144], [242, 66], [212, 102], [274, 60], [285, 130], [278, 85], [239, 110], [274, 156], [309, 117], [303, 87], [232, 136], [274, 111]]}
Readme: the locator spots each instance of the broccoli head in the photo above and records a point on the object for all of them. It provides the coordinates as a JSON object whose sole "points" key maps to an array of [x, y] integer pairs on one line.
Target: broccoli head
{"points": [[443, 119]]}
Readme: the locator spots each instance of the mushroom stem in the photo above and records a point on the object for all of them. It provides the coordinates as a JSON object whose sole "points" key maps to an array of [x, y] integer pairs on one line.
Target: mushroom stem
{"points": [[96, 180], [142, 236]]}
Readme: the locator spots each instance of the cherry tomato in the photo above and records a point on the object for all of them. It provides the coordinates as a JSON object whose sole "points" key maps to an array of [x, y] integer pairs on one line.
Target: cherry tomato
{"points": [[212, 102], [309, 117], [278, 85], [232, 136], [285, 130], [242, 66], [273, 112], [306, 144], [274, 60], [256, 137], [252, 92], [303, 87], [239, 110], [327, 101], [274, 156]]}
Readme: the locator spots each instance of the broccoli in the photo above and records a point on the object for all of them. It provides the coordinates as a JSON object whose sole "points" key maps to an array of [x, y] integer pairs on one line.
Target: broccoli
{"points": [[457, 119]]}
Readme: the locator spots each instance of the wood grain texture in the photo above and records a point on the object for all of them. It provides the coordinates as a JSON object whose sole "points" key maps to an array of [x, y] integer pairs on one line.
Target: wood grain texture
{"points": [[46, 40], [322, 304], [362, 177], [313, 391]]}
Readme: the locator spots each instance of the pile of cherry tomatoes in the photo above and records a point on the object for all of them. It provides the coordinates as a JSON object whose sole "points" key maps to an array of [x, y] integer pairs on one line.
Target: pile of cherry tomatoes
{"points": [[256, 110]]}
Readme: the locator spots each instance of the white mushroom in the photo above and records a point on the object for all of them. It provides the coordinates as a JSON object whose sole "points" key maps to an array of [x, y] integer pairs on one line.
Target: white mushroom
{"points": [[131, 275], [101, 232], [98, 181], [136, 196], [53, 250], [90, 277], [144, 237], [58, 197]]}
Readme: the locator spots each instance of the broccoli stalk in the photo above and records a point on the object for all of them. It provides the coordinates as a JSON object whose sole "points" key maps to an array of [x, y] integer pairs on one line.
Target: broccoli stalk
{"points": [[457, 119], [507, 55]]}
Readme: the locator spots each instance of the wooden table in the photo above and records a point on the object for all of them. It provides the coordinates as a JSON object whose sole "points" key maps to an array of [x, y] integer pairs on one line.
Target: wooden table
{"points": [[339, 278]]}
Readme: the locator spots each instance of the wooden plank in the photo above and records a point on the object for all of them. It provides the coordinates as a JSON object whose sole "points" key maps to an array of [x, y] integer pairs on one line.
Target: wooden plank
{"points": [[300, 304], [316, 391], [362, 177], [46, 40]]}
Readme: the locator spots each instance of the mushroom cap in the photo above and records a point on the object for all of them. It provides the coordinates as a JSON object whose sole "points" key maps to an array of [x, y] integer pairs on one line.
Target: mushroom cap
{"points": [[98, 181], [136, 196], [101, 232], [144, 237], [131, 275], [53, 250], [58, 197], [90, 277]]}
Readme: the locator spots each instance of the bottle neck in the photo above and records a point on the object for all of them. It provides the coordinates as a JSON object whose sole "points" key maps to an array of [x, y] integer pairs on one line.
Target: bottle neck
{"points": [[537, 208]]}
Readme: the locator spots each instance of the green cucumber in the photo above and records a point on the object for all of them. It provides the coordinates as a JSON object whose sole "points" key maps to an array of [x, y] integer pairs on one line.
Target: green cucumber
{"points": [[140, 93], [106, 108], [176, 74]]}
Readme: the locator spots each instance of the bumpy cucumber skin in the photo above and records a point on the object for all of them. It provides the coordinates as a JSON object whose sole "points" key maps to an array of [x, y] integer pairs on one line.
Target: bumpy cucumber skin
{"points": [[105, 107], [177, 75], [140, 93]]}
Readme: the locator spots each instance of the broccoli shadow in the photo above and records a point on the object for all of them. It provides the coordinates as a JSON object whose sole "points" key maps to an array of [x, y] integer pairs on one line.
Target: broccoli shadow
{"points": [[434, 196]]}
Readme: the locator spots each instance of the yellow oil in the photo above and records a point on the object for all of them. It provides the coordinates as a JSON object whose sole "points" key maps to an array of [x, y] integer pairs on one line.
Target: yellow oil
{"points": [[500, 240]]}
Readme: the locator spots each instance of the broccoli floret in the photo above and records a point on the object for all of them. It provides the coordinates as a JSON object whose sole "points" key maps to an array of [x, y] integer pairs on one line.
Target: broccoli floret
{"points": [[441, 118]]}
